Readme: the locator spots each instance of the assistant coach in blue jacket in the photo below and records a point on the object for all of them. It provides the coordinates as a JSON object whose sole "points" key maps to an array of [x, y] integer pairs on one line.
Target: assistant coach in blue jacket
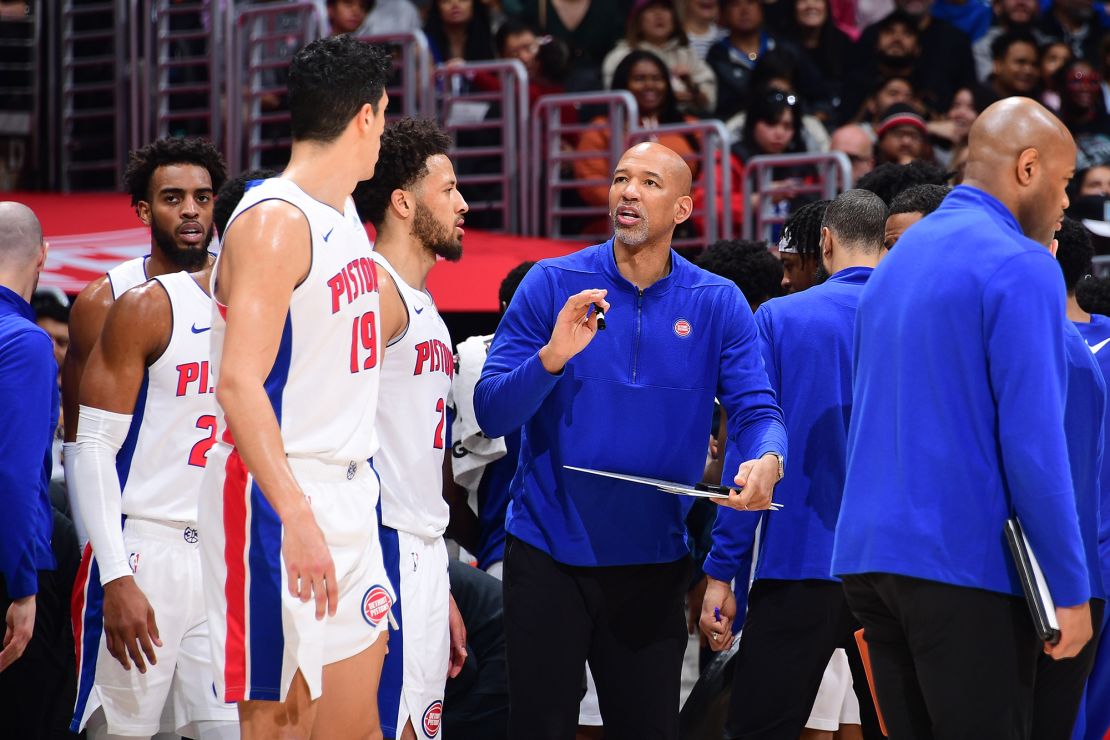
{"points": [[958, 421], [597, 569]]}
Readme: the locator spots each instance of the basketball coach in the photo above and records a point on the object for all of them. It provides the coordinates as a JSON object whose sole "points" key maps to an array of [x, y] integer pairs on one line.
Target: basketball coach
{"points": [[596, 569]]}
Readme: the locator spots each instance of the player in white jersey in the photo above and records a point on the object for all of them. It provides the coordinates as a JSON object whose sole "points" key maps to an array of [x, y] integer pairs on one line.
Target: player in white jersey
{"points": [[147, 424], [297, 596], [171, 182], [414, 203]]}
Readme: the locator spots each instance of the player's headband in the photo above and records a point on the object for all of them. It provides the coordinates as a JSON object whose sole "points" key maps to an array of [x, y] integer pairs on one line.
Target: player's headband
{"points": [[786, 246]]}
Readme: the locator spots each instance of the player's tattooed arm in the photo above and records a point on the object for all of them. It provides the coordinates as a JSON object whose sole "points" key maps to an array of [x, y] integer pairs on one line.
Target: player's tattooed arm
{"points": [[266, 254]]}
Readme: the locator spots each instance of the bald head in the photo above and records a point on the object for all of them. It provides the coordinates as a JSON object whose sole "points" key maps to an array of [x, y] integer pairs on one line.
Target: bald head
{"points": [[666, 162], [20, 232], [1019, 152]]}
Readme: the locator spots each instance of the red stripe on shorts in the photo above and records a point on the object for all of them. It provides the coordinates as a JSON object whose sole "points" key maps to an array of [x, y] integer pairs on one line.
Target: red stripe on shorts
{"points": [[77, 603], [235, 585]]}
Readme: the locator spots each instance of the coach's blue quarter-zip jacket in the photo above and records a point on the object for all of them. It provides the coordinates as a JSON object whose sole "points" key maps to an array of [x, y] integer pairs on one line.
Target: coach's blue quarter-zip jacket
{"points": [[1084, 415], [806, 341], [958, 409], [637, 400]]}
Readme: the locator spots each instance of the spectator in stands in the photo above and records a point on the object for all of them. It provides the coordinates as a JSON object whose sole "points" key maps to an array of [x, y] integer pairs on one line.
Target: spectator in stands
{"points": [[781, 71], [1016, 69], [653, 26], [734, 57], [772, 126], [945, 64], [1083, 111], [1073, 21], [902, 136], [885, 93], [856, 143], [459, 31], [949, 134], [888, 180], [590, 28], [909, 207], [1009, 15], [1055, 55], [545, 59], [346, 16], [896, 53], [700, 23], [1091, 181], [645, 76], [811, 28]]}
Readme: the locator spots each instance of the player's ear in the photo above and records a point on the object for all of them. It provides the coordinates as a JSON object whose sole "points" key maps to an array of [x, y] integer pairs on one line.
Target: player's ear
{"points": [[144, 212], [401, 202]]}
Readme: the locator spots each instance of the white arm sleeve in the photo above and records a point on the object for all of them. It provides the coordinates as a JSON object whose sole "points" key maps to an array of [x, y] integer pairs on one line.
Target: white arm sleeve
{"points": [[69, 453], [95, 487]]}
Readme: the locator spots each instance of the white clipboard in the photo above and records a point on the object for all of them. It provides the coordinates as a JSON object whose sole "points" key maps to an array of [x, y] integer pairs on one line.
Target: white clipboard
{"points": [[661, 485]]}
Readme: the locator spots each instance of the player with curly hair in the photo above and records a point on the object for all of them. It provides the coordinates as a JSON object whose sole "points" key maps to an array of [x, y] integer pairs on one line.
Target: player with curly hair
{"points": [[415, 205], [172, 183], [910, 206], [749, 264]]}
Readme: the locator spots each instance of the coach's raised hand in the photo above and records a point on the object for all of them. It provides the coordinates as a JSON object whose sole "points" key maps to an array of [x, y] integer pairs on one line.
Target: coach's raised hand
{"points": [[129, 626], [575, 326]]}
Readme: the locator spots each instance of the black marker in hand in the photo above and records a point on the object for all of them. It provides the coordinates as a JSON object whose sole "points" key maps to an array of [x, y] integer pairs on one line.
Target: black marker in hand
{"points": [[600, 313]]}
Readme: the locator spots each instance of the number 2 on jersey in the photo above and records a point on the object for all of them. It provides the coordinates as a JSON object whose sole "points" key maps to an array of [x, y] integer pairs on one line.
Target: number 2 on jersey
{"points": [[364, 336], [441, 409], [198, 456]]}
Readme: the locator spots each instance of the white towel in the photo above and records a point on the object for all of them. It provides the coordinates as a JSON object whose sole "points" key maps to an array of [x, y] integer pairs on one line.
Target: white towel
{"points": [[472, 450]]}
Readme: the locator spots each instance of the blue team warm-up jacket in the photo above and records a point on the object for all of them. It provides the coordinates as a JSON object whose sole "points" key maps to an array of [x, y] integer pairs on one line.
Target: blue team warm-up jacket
{"points": [[637, 400], [958, 409], [806, 340]]}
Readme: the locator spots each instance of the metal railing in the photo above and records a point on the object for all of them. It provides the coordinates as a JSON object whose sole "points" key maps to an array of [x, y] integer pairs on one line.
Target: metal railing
{"points": [[411, 62], [20, 97], [262, 42], [833, 176], [552, 150], [714, 181], [183, 40], [483, 106], [93, 92]]}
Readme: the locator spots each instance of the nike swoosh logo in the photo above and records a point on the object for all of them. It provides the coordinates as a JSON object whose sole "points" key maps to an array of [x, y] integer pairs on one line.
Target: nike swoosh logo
{"points": [[329, 233], [1100, 345], [200, 331], [418, 310]]}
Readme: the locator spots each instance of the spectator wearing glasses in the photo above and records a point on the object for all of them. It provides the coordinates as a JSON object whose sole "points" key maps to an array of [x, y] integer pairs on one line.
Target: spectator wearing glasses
{"points": [[653, 26], [902, 136], [856, 143]]}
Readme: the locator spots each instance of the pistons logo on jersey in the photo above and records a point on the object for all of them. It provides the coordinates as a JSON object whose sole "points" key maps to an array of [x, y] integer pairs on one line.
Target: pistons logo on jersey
{"points": [[357, 279], [434, 356], [376, 604], [433, 715]]}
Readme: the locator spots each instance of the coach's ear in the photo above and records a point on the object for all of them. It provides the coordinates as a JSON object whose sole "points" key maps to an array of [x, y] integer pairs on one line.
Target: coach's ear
{"points": [[401, 203]]}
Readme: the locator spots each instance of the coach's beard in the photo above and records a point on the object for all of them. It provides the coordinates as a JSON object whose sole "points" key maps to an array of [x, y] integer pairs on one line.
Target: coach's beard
{"points": [[630, 236]]}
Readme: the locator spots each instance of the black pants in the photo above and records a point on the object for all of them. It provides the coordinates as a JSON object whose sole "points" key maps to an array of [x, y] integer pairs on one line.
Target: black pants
{"points": [[1060, 685], [628, 621], [949, 662], [790, 633], [38, 690]]}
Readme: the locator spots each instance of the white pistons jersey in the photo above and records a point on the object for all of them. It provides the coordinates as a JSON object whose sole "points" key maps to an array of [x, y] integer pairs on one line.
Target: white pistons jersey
{"points": [[126, 275], [412, 417], [323, 385], [173, 427]]}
